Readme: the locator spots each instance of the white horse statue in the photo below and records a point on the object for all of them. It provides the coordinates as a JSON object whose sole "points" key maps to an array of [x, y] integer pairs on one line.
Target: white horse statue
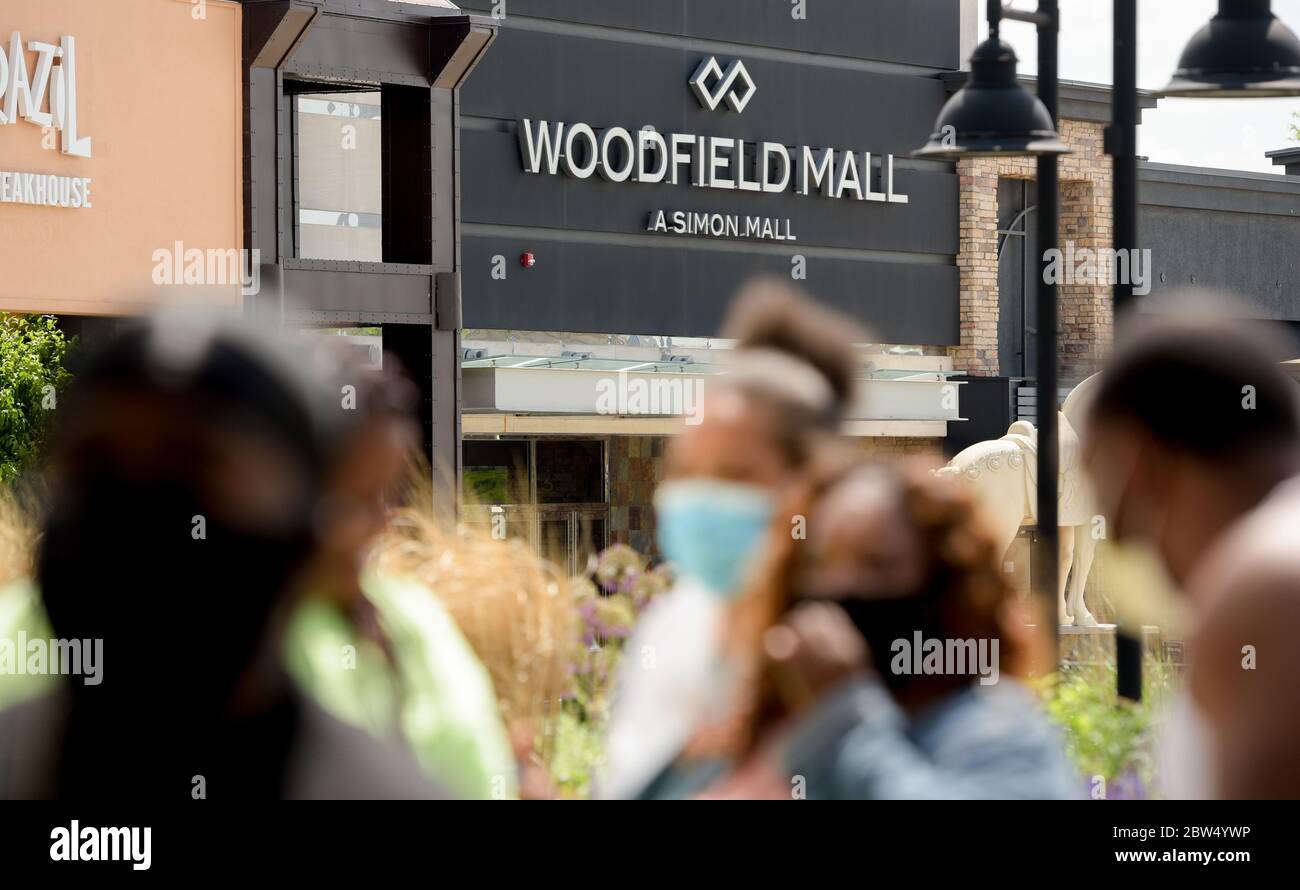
{"points": [[1003, 475]]}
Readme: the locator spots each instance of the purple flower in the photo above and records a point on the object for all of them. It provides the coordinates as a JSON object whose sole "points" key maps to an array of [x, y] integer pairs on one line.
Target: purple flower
{"points": [[1127, 785]]}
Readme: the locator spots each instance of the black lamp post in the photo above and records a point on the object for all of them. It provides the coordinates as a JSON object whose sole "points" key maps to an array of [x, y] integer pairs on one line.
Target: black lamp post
{"points": [[1244, 51], [993, 116], [1121, 145]]}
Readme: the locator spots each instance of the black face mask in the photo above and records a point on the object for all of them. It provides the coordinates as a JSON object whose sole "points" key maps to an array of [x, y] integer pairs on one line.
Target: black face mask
{"points": [[180, 618], [881, 621]]}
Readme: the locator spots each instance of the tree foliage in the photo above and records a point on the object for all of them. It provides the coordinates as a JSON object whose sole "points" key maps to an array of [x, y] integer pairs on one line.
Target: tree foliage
{"points": [[32, 350]]}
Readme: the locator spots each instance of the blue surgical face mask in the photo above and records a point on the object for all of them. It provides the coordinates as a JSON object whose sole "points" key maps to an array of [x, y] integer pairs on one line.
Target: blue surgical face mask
{"points": [[711, 530]]}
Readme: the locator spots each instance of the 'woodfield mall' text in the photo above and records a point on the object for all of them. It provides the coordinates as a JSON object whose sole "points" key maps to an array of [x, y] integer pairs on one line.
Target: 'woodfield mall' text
{"points": [[715, 162]]}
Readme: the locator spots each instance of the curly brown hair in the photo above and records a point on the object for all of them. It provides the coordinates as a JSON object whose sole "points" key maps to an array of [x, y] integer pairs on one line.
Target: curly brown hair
{"points": [[962, 570]]}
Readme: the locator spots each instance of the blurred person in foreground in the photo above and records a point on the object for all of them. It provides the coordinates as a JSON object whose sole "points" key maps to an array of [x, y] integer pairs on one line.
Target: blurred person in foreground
{"points": [[764, 423], [187, 473], [375, 646], [883, 658], [1193, 443]]}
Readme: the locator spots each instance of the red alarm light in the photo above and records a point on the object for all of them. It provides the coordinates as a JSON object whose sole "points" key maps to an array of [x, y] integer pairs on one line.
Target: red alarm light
{"points": [[528, 260]]}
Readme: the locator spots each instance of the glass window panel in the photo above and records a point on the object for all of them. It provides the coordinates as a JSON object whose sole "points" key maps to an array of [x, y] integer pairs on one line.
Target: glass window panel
{"points": [[494, 472], [555, 543], [570, 471], [593, 537], [339, 171]]}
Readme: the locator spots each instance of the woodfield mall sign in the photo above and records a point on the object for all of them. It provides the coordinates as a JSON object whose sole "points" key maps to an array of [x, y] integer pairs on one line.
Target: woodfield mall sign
{"points": [[618, 154], [121, 136]]}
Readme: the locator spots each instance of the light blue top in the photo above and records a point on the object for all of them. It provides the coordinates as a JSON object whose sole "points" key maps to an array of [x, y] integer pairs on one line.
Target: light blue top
{"points": [[982, 743]]}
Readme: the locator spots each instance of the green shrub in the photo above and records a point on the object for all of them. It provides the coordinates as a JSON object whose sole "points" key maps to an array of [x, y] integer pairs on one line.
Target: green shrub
{"points": [[32, 350], [1108, 737]]}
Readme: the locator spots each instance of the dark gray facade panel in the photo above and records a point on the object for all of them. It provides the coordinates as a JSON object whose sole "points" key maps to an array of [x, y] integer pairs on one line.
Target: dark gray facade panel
{"points": [[629, 65], [364, 51], [505, 194], [261, 220], [1205, 190], [910, 32], [556, 77], [328, 287], [1254, 257], [585, 287]]}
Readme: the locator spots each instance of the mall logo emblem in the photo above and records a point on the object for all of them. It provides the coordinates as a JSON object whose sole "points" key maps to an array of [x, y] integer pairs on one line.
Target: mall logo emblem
{"points": [[733, 85]]}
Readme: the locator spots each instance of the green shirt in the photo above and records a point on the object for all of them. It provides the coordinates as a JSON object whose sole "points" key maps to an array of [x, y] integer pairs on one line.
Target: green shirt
{"points": [[20, 610], [435, 690]]}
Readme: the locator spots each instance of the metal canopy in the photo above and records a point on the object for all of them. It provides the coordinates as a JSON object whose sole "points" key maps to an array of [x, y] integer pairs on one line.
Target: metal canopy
{"points": [[908, 401]]}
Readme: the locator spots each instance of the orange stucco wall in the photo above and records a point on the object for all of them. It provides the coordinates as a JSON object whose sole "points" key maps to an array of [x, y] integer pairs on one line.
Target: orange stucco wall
{"points": [[158, 92]]}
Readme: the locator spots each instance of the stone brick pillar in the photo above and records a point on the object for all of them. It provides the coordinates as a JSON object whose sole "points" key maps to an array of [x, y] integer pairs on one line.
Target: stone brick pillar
{"points": [[977, 268], [1086, 223], [1085, 306]]}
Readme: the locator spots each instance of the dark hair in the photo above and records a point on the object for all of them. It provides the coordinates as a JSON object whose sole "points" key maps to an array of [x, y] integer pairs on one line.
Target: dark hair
{"points": [[245, 377], [1207, 386], [770, 314]]}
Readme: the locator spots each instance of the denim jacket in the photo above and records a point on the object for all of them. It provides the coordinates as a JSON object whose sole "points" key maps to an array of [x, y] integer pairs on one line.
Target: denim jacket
{"points": [[984, 742]]}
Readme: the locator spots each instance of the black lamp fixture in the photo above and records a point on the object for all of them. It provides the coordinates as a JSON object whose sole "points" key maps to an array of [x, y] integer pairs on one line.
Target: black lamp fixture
{"points": [[1244, 52], [993, 115]]}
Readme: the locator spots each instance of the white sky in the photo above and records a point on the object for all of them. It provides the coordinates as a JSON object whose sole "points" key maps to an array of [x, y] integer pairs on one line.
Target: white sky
{"points": [[1228, 133]]}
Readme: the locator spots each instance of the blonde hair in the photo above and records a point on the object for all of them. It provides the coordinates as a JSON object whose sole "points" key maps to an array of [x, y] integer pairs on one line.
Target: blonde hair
{"points": [[516, 609], [17, 540]]}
